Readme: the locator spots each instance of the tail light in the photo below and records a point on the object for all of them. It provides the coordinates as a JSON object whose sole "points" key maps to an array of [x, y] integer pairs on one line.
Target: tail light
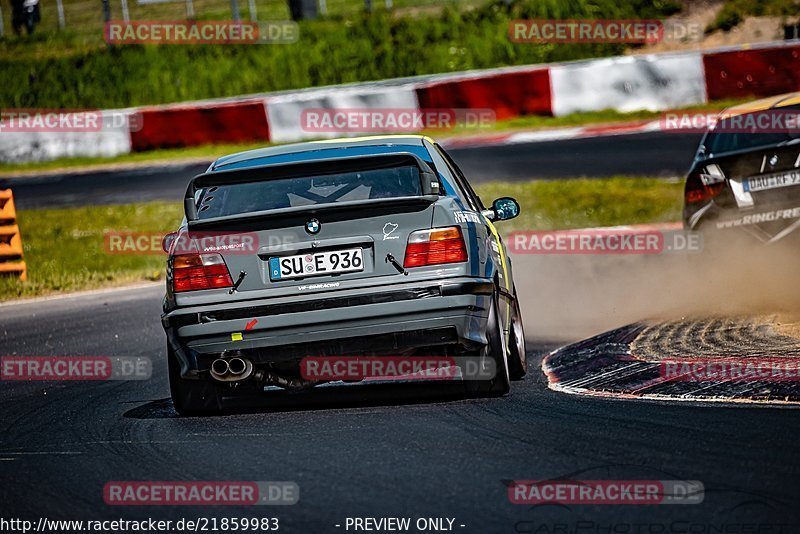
{"points": [[435, 247], [191, 272], [703, 186]]}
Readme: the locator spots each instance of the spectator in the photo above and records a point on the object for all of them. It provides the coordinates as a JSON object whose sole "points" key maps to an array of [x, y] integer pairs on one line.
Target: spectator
{"points": [[25, 13]]}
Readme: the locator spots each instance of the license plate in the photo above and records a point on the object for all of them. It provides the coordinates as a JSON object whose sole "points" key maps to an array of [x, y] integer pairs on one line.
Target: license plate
{"points": [[316, 264], [772, 181]]}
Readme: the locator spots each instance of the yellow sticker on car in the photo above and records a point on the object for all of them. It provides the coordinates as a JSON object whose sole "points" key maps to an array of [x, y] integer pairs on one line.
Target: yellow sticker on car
{"points": [[236, 336]]}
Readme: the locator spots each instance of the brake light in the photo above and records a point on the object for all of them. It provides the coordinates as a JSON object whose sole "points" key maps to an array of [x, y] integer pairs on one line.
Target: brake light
{"points": [[699, 190], [435, 247], [191, 272]]}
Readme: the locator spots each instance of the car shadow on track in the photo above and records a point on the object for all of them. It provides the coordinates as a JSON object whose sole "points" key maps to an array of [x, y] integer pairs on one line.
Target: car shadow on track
{"points": [[330, 397], [358, 395]]}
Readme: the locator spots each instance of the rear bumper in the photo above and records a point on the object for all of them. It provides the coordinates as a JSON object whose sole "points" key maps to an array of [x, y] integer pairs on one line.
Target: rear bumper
{"points": [[394, 320]]}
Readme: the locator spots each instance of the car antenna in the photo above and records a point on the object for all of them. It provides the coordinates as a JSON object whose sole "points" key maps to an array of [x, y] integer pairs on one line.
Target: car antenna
{"points": [[238, 282], [396, 264]]}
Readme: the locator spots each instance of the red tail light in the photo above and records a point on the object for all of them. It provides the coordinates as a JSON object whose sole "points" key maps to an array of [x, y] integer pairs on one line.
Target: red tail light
{"points": [[191, 272], [435, 247], [697, 191]]}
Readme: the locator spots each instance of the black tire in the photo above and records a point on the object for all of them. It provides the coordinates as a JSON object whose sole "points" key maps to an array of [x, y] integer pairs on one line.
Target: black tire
{"points": [[191, 397], [495, 350], [517, 356]]}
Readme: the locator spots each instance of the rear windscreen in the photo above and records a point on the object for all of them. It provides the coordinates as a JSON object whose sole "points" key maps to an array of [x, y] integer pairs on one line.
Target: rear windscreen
{"points": [[234, 199], [721, 143], [728, 137]]}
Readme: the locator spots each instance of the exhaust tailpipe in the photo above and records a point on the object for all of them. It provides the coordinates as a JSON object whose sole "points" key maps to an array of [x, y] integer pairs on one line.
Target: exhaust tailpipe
{"points": [[220, 367], [237, 366], [232, 369]]}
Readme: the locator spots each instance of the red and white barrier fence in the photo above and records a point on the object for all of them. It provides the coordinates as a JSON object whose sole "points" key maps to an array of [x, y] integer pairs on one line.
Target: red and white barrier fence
{"points": [[758, 71], [626, 83], [201, 124], [523, 91], [288, 114]]}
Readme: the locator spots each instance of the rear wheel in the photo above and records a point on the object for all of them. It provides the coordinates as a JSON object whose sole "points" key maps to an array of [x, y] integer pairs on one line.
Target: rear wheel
{"points": [[494, 350], [191, 397], [517, 359]]}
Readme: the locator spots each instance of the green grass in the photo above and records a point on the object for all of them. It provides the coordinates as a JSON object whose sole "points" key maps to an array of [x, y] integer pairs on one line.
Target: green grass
{"points": [[64, 72], [733, 12], [583, 203], [211, 152], [65, 248], [84, 18]]}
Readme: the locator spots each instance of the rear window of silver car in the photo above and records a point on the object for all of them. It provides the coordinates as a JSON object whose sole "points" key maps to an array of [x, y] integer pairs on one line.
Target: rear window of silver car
{"points": [[233, 199]]}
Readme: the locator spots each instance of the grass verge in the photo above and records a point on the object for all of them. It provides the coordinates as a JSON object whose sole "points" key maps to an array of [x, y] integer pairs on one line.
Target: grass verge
{"points": [[65, 248], [55, 72], [734, 12], [588, 202]]}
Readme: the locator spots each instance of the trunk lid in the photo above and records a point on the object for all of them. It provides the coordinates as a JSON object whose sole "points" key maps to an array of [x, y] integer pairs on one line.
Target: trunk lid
{"points": [[313, 225]]}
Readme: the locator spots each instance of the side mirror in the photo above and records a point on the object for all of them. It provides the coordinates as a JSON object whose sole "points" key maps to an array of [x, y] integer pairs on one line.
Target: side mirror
{"points": [[505, 208]]}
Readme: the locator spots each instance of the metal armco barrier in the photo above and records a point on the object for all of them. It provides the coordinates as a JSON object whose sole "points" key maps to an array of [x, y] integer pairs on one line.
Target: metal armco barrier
{"points": [[10, 240]]}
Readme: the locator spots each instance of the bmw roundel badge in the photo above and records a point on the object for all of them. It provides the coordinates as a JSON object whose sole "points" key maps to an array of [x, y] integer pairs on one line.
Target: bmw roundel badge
{"points": [[312, 226]]}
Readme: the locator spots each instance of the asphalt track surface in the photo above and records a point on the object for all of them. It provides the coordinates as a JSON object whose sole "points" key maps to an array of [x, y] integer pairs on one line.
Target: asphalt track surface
{"points": [[645, 154], [373, 454], [402, 451]]}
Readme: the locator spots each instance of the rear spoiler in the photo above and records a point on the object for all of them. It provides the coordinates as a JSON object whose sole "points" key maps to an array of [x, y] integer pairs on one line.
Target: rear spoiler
{"points": [[429, 181]]}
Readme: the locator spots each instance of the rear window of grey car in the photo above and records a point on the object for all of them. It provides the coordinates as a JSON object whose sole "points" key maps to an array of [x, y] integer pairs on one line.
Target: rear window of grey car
{"points": [[233, 199]]}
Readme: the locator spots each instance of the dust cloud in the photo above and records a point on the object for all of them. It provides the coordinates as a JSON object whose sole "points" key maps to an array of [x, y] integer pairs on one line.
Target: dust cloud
{"points": [[568, 297]]}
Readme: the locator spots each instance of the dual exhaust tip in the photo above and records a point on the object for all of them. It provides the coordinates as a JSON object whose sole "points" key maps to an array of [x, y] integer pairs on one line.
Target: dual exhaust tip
{"points": [[231, 369]]}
